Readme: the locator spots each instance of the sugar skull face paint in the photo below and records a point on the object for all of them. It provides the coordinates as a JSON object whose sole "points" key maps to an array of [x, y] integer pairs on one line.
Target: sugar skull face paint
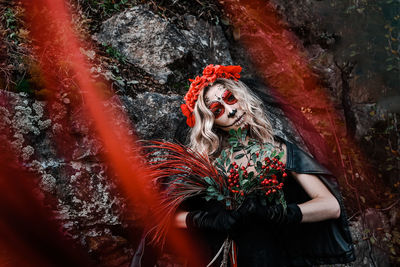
{"points": [[217, 108], [228, 114]]}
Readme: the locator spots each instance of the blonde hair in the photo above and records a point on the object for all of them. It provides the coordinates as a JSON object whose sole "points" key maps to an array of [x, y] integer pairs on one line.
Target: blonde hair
{"points": [[206, 139]]}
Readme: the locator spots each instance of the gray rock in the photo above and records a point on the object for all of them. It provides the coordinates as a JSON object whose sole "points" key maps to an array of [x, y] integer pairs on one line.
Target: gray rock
{"points": [[156, 116], [82, 186], [365, 235], [22, 117], [367, 115], [85, 193], [157, 46], [369, 237]]}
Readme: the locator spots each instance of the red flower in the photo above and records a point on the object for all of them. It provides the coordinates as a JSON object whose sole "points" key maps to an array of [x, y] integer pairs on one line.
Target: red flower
{"points": [[188, 114], [185, 110], [190, 121], [232, 71], [218, 69], [210, 74], [212, 78], [209, 70], [197, 82]]}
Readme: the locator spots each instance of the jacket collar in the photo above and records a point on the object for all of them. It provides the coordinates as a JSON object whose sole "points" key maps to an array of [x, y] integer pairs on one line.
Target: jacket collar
{"points": [[300, 161]]}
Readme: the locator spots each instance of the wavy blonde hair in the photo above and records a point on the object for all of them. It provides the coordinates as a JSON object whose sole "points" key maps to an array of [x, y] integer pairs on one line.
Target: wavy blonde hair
{"points": [[205, 138]]}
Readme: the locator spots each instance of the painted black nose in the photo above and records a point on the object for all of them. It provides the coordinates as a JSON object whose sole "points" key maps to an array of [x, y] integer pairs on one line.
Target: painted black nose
{"points": [[232, 113]]}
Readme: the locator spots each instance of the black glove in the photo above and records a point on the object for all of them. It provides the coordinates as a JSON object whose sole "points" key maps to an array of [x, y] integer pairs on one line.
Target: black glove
{"points": [[274, 214], [218, 218]]}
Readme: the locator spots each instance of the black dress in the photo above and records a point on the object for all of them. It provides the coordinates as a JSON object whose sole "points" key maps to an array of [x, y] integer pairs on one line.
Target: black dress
{"points": [[258, 244]]}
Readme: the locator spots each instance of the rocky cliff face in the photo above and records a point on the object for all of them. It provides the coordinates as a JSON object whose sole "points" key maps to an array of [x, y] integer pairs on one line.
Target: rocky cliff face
{"points": [[159, 47]]}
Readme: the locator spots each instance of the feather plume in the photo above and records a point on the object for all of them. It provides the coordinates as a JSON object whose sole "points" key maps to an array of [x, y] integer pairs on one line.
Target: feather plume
{"points": [[179, 173]]}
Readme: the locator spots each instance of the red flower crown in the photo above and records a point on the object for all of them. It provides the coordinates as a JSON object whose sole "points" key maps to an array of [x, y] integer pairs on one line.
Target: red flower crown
{"points": [[210, 74]]}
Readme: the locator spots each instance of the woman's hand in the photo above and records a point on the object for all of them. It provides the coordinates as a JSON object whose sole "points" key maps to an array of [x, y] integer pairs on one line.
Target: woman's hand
{"points": [[217, 218], [274, 214], [321, 206]]}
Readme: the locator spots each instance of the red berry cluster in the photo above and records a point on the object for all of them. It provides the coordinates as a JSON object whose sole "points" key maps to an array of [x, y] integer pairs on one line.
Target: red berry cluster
{"points": [[271, 178], [268, 177], [233, 178]]}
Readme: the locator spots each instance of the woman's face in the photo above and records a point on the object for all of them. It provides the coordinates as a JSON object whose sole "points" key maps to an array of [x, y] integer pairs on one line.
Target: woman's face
{"points": [[226, 108]]}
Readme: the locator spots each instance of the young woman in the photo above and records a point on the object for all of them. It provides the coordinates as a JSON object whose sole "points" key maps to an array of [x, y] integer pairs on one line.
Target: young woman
{"points": [[314, 228]]}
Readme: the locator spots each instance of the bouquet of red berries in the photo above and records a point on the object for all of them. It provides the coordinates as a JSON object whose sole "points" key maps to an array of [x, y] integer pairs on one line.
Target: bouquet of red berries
{"points": [[260, 172], [255, 170]]}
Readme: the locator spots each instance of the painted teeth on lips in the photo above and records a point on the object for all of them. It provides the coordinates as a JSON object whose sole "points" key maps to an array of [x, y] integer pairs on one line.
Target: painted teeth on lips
{"points": [[240, 121]]}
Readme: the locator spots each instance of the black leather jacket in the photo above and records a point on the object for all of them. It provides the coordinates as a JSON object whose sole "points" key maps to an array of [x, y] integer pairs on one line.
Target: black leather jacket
{"points": [[306, 244], [324, 242]]}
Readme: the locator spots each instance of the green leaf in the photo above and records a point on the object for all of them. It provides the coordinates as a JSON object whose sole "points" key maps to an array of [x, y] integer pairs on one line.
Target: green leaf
{"points": [[239, 156], [232, 139], [220, 197], [243, 182], [226, 191], [259, 165], [208, 180], [223, 154], [214, 194], [282, 199], [250, 176], [244, 134], [228, 202], [239, 133], [237, 148], [255, 149], [232, 132], [211, 189], [220, 166], [208, 198], [228, 162], [219, 163], [229, 168], [254, 157]]}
